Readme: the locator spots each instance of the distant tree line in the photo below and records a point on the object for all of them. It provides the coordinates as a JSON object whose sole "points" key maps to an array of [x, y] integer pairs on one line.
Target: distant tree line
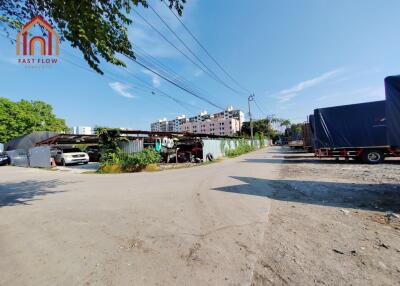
{"points": [[273, 128], [22, 117]]}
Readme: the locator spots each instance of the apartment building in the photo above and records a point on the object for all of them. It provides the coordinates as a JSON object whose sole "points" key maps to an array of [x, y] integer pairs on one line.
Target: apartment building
{"points": [[226, 122], [230, 113], [215, 126], [81, 130], [164, 125]]}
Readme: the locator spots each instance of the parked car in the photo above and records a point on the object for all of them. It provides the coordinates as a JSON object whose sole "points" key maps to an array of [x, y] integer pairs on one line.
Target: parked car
{"points": [[4, 159], [69, 156], [94, 153]]}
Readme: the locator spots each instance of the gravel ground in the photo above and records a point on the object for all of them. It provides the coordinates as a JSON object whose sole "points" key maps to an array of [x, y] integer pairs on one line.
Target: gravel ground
{"points": [[328, 226]]}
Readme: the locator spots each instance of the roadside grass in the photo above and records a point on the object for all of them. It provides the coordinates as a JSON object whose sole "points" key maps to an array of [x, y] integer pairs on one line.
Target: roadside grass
{"points": [[240, 150]]}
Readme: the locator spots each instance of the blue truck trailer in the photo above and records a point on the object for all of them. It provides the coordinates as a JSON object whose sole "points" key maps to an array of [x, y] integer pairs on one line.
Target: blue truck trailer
{"points": [[366, 132]]}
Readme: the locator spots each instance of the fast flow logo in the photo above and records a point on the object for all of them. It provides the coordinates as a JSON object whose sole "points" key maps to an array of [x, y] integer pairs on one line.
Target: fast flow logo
{"points": [[44, 53]]}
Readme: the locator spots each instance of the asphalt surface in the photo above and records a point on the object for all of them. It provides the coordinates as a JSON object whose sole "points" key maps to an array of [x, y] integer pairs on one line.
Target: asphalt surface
{"points": [[80, 168], [197, 226]]}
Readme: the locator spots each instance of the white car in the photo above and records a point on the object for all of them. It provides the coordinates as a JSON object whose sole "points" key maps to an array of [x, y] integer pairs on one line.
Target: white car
{"points": [[69, 156]]}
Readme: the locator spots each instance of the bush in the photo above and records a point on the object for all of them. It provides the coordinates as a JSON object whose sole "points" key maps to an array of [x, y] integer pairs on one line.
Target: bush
{"points": [[242, 148], [138, 161]]}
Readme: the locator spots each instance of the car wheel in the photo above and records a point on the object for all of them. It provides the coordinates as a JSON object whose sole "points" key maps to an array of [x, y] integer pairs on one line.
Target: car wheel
{"points": [[85, 163], [373, 156], [63, 162]]}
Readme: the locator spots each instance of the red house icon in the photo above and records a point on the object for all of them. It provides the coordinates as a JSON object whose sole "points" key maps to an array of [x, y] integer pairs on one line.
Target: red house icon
{"points": [[44, 50]]}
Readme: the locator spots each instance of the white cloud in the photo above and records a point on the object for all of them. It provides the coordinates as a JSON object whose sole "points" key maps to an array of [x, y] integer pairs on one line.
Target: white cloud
{"points": [[287, 94], [121, 89], [155, 79]]}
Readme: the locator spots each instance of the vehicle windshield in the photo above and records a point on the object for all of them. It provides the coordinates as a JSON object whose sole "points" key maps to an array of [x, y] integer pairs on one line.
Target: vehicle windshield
{"points": [[71, 150]]}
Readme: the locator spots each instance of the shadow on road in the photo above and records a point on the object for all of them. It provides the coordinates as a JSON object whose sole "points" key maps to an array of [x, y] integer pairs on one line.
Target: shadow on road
{"points": [[22, 193], [344, 195]]}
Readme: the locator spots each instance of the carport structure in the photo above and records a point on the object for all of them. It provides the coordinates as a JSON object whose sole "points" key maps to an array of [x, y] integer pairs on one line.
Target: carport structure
{"points": [[70, 139]]}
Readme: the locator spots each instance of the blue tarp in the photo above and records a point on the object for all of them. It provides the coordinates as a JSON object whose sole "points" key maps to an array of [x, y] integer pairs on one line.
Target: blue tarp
{"points": [[355, 125], [392, 87], [360, 125]]}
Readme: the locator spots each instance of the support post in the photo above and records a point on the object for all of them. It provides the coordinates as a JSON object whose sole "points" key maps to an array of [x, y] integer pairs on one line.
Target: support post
{"points": [[251, 98]]}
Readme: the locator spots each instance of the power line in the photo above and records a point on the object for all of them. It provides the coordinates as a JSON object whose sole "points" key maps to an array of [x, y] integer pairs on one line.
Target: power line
{"points": [[259, 108], [145, 86], [174, 83], [171, 81], [206, 51], [150, 60], [161, 93], [193, 54]]}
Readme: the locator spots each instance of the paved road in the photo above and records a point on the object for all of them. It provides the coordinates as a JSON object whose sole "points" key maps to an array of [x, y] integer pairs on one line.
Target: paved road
{"points": [[196, 226], [81, 168]]}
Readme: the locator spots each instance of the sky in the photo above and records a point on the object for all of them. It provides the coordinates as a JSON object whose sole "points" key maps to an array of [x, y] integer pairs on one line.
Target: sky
{"points": [[294, 55]]}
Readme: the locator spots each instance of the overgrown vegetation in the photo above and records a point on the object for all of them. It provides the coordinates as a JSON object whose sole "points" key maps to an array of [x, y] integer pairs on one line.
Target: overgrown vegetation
{"points": [[138, 161], [113, 160], [109, 142], [242, 147], [121, 162], [261, 138]]}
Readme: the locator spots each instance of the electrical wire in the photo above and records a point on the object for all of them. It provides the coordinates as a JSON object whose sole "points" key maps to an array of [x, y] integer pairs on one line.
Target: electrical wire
{"points": [[145, 86], [151, 61], [174, 83], [205, 50], [214, 76], [259, 108], [136, 86]]}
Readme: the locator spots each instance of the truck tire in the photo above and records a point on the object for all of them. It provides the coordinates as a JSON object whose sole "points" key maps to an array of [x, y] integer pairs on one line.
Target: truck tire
{"points": [[373, 156]]}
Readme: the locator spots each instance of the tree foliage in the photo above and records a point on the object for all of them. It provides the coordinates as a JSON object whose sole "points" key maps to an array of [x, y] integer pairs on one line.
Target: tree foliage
{"points": [[294, 131], [97, 28], [262, 126], [19, 118], [109, 142]]}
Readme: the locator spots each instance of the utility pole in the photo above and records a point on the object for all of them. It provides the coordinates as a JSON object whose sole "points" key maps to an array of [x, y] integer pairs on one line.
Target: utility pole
{"points": [[251, 98]]}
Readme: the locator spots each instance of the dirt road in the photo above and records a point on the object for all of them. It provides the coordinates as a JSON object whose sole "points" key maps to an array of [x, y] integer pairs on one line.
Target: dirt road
{"points": [[260, 219]]}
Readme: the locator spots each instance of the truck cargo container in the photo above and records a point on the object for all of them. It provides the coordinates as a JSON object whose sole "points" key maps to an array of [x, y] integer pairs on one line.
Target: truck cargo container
{"points": [[367, 132]]}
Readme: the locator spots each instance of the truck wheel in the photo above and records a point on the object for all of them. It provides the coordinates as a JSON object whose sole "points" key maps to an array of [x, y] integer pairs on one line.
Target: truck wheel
{"points": [[373, 156]]}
